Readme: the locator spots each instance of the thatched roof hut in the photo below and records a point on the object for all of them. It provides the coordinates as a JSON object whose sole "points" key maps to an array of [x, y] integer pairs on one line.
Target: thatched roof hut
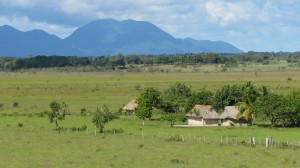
{"points": [[230, 112], [203, 111], [130, 107], [230, 117], [202, 115]]}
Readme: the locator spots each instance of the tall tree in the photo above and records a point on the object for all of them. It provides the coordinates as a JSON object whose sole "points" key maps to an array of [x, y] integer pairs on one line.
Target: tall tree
{"points": [[273, 107], [250, 94], [228, 95], [149, 98], [177, 95], [202, 97]]}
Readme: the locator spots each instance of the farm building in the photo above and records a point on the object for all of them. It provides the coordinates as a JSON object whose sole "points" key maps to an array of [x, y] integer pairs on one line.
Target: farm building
{"points": [[229, 117], [130, 108], [203, 115]]}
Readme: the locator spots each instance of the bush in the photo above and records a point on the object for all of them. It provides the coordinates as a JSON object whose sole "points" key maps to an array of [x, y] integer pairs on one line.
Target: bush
{"points": [[1, 105], [83, 112], [141, 146], [117, 131], [20, 125], [15, 104], [82, 128], [137, 87], [175, 138], [42, 114]]}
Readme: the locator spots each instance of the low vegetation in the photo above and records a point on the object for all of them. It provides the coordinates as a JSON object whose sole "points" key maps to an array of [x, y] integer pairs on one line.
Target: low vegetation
{"points": [[272, 97]]}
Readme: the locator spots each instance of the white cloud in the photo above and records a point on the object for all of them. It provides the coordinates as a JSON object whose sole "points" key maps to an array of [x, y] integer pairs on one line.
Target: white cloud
{"points": [[19, 3], [25, 24], [226, 13]]}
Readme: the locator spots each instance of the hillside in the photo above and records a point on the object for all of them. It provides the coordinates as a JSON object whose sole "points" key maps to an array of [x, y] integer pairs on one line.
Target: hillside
{"points": [[105, 37]]}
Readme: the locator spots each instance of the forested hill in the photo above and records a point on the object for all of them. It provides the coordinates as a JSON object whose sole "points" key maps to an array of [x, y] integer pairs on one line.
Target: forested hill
{"points": [[105, 37]]}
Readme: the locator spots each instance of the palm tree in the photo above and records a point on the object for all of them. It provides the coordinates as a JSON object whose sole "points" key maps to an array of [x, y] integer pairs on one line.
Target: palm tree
{"points": [[250, 94]]}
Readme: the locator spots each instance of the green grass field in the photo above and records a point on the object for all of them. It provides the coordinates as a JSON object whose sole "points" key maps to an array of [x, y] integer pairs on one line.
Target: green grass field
{"points": [[36, 144], [34, 91]]}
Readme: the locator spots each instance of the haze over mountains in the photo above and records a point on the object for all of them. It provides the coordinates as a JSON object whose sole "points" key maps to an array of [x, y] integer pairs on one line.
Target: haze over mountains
{"points": [[105, 37]]}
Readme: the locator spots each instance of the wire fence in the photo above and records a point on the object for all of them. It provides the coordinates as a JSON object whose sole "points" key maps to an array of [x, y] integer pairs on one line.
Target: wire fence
{"points": [[268, 142]]}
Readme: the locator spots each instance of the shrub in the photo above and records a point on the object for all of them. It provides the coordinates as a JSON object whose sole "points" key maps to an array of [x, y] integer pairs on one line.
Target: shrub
{"points": [[137, 87], [141, 146], [15, 104], [83, 112], [20, 125], [82, 128], [117, 131], [177, 161], [289, 79], [42, 114], [1, 105]]}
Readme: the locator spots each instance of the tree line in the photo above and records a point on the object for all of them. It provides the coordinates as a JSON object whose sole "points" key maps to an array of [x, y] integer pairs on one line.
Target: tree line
{"points": [[253, 103], [119, 60], [176, 101]]}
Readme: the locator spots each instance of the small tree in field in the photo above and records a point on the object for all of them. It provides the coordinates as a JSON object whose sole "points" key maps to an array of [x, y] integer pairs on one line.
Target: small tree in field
{"points": [[102, 116], [58, 112], [144, 109], [149, 98], [173, 117]]}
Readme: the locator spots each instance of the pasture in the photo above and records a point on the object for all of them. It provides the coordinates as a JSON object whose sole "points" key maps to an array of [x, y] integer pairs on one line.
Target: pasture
{"points": [[34, 91], [37, 144]]}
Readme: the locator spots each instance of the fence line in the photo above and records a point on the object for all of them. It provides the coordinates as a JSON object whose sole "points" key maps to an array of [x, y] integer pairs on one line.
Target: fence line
{"points": [[268, 142]]}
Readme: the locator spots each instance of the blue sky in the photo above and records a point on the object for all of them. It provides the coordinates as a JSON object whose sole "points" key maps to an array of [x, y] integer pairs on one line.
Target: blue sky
{"points": [[251, 25]]}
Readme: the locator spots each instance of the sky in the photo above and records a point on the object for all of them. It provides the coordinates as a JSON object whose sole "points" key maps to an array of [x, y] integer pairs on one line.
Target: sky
{"points": [[250, 25]]}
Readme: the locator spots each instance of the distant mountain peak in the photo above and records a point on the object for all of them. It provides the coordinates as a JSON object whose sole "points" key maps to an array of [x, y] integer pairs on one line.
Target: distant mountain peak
{"points": [[106, 37]]}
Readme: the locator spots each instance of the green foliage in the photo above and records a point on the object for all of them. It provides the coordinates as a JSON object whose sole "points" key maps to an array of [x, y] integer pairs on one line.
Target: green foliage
{"points": [[202, 97], [250, 94], [83, 112], [58, 112], [82, 128], [176, 96], [180, 90], [173, 117], [20, 125], [279, 109], [149, 98], [15, 104], [228, 95], [102, 116], [144, 109]]}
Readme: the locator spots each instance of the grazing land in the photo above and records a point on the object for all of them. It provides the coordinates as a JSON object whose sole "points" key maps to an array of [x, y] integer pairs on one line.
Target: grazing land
{"points": [[34, 91], [27, 139]]}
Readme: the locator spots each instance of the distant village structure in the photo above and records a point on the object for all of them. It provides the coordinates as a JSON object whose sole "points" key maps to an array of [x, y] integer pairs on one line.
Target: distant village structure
{"points": [[205, 115], [131, 107]]}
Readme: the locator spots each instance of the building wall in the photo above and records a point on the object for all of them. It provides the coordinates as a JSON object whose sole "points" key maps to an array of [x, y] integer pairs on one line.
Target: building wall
{"points": [[195, 122], [212, 122], [202, 122]]}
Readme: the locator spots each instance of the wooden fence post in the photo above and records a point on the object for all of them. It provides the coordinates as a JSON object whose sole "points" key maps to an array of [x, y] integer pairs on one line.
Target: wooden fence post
{"points": [[226, 140]]}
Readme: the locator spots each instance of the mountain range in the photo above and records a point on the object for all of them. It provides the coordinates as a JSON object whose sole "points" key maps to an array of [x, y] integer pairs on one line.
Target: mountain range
{"points": [[105, 37]]}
